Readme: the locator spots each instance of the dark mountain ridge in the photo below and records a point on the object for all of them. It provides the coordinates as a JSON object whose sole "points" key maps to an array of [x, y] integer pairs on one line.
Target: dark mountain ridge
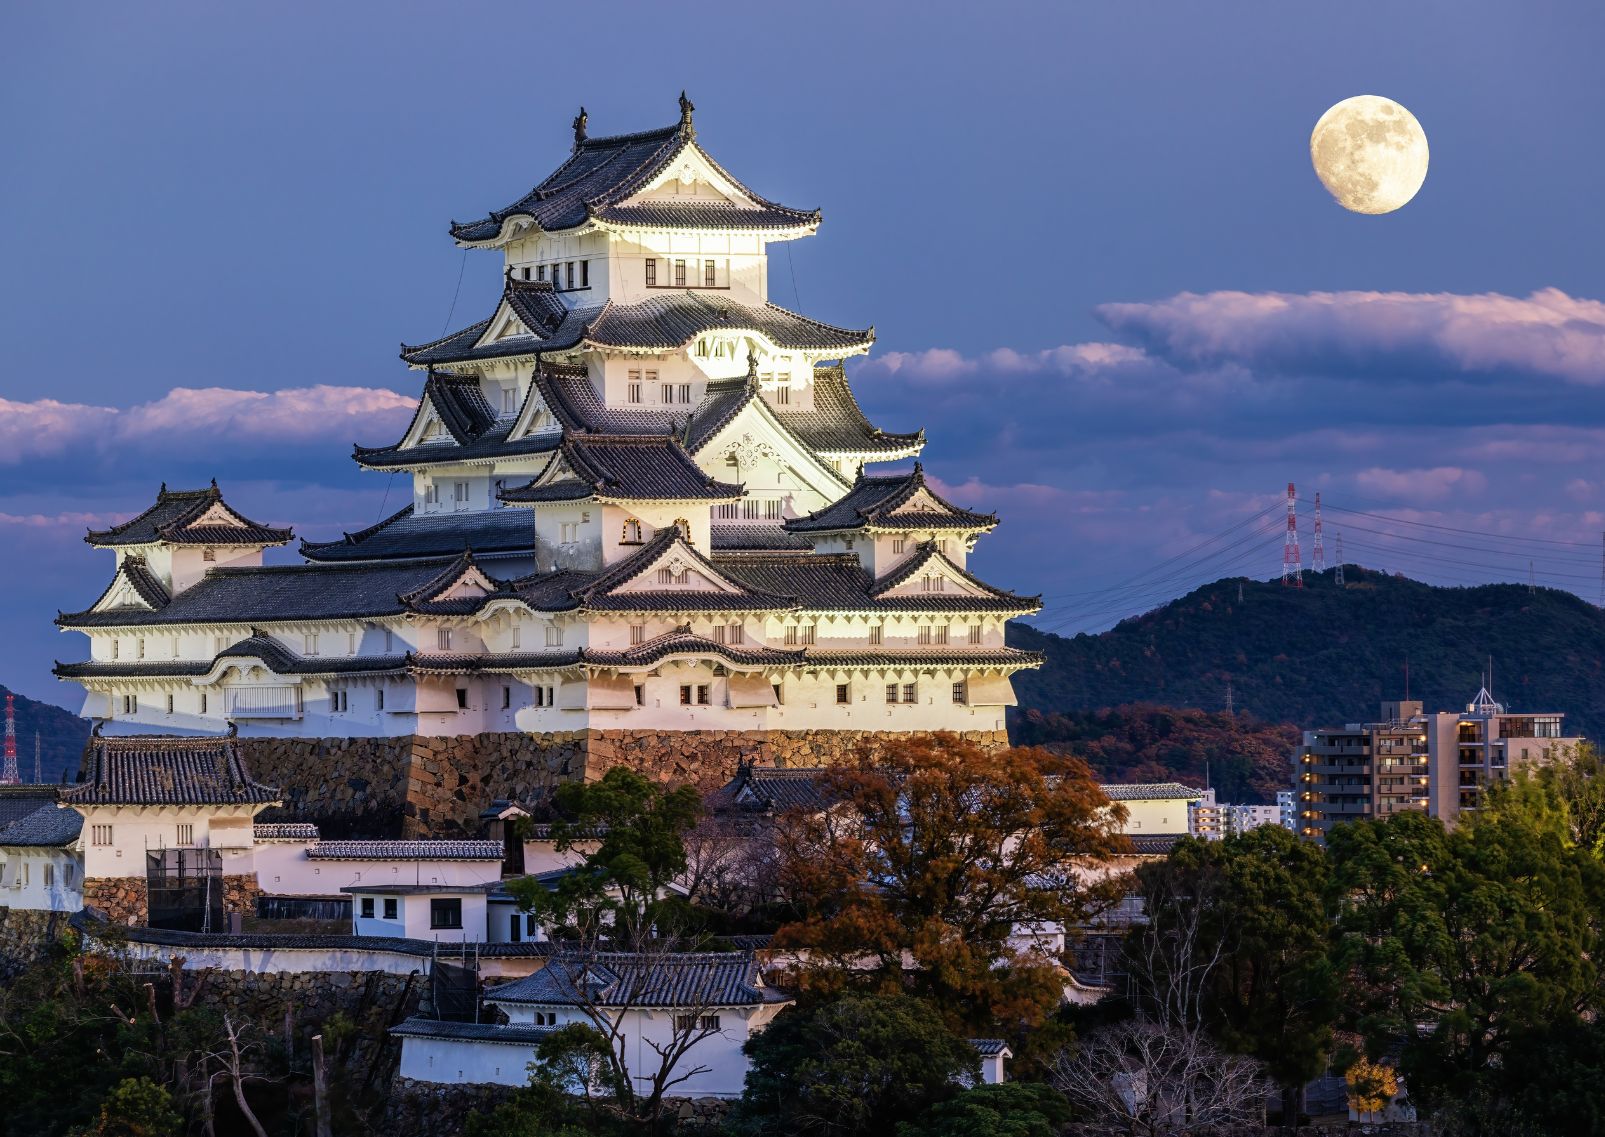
{"points": [[62, 735], [1324, 655]]}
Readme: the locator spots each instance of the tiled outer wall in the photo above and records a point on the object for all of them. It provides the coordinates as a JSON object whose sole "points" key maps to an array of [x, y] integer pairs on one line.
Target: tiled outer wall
{"points": [[418, 786]]}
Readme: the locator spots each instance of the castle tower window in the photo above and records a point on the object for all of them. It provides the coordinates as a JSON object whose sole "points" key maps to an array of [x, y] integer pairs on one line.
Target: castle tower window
{"points": [[704, 695], [379, 699], [961, 692], [941, 633], [100, 835], [808, 631], [679, 274], [736, 634], [719, 633], [924, 637], [783, 395], [975, 633], [638, 633], [585, 274], [443, 639], [771, 509], [507, 698], [540, 272], [640, 695], [898, 544], [652, 272], [877, 633], [891, 692], [169, 704], [632, 532], [309, 643], [554, 636], [116, 647], [685, 392], [208, 554], [842, 694], [203, 702], [633, 392], [462, 698], [139, 647], [908, 692], [791, 635], [568, 275], [526, 272], [709, 277]]}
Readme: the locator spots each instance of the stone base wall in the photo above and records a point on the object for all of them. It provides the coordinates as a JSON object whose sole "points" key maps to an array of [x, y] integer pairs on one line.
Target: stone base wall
{"points": [[124, 899], [240, 893], [26, 936], [439, 1110], [417, 786]]}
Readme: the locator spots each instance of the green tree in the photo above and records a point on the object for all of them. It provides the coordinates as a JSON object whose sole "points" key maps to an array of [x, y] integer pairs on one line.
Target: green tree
{"points": [[1244, 923], [634, 830], [855, 1065], [1009, 1109], [1465, 945], [136, 1107]]}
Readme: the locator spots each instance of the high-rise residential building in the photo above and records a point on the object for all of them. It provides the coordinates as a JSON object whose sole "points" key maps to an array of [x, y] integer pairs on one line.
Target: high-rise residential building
{"points": [[1439, 763], [1214, 820]]}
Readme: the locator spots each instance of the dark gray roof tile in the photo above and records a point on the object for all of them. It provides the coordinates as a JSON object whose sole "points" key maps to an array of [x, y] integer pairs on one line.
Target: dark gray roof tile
{"points": [[621, 468], [405, 535], [167, 770], [173, 519], [696, 979], [878, 501], [406, 851], [48, 826]]}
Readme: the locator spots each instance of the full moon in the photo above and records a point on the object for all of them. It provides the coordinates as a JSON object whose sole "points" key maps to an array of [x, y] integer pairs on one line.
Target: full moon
{"points": [[1370, 153]]}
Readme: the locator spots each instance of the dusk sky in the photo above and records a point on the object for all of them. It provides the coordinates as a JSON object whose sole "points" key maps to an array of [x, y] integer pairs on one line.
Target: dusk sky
{"points": [[1103, 275]]}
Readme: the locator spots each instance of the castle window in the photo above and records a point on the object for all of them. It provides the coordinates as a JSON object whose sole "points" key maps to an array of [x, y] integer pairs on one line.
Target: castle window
{"points": [[891, 692], [975, 633], [459, 495], [518, 635], [446, 912], [924, 637], [554, 636], [169, 704], [139, 647], [876, 635], [665, 576], [443, 639], [908, 692], [679, 274], [116, 647], [633, 393], [704, 693], [961, 692], [585, 274], [100, 835], [351, 643], [130, 704], [632, 532], [847, 543], [390, 639], [685, 392], [898, 544], [736, 634], [367, 901], [941, 633], [931, 583], [638, 633], [668, 393], [50, 874], [208, 554], [808, 631], [507, 698], [540, 696], [379, 699], [709, 277], [791, 634], [718, 633], [339, 701], [685, 694], [569, 275], [540, 272], [510, 395], [640, 695], [186, 834], [727, 511], [391, 904], [203, 702], [652, 272], [462, 698], [771, 509], [526, 272], [783, 395], [842, 693]]}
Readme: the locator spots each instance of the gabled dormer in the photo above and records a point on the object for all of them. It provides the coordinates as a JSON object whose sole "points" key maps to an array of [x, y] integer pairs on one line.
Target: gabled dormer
{"points": [[185, 534], [927, 579], [885, 518], [668, 575]]}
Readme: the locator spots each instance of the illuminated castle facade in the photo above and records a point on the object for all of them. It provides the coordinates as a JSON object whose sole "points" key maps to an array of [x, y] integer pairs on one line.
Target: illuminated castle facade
{"points": [[639, 502]]}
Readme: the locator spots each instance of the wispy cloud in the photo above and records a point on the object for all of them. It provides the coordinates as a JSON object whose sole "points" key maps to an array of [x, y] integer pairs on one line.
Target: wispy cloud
{"points": [[1547, 334]]}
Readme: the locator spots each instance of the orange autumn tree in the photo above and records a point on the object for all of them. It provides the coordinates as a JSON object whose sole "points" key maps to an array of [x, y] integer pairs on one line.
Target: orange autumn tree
{"points": [[933, 865]]}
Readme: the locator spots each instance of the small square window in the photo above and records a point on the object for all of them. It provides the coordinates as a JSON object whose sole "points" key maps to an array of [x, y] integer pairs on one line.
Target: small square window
{"points": [[391, 906], [704, 695], [446, 912], [462, 698], [842, 693], [908, 692], [960, 692], [891, 692], [876, 635], [367, 907], [638, 633]]}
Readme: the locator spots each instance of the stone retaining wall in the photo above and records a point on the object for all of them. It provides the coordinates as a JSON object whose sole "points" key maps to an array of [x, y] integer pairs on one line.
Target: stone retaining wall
{"points": [[25, 936], [438, 1110], [124, 899], [417, 786], [240, 893]]}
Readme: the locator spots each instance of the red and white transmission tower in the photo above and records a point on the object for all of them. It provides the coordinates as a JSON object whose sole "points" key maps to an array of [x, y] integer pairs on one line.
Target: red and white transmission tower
{"points": [[8, 776], [1318, 551], [1292, 563]]}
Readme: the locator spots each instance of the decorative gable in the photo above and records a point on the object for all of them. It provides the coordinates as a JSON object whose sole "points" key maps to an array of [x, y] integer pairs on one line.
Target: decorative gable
{"points": [[504, 325], [691, 177], [679, 568], [921, 501]]}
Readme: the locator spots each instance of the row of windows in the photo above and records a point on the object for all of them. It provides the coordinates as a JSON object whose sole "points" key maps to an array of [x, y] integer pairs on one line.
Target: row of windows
{"points": [[390, 909], [679, 273], [651, 391], [900, 544], [24, 877], [750, 509], [563, 274], [687, 1023]]}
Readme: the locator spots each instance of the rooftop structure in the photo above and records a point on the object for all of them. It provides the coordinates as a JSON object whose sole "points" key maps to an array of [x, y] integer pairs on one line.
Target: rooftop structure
{"points": [[639, 500]]}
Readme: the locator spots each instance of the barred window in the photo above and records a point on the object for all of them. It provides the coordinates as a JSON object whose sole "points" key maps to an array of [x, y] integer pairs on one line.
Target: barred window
{"points": [[975, 633], [842, 693], [100, 834], [808, 633], [791, 635], [908, 693], [925, 634], [961, 692], [709, 276], [679, 274], [652, 272], [941, 633], [443, 639], [638, 633], [876, 635]]}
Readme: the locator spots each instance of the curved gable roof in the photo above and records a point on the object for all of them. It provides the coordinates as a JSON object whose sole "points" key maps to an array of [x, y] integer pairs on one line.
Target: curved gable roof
{"points": [[188, 517], [880, 501]]}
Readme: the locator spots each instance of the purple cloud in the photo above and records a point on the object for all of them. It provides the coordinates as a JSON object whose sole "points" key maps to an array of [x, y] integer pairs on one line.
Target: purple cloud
{"points": [[1548, 334]]}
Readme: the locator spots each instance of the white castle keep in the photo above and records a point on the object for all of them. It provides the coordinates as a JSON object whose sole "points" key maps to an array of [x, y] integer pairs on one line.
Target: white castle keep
{"points": [[639, 501]]}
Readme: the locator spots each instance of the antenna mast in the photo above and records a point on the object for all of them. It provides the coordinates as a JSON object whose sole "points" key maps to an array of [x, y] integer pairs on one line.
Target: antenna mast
{"points": [[8, 775], [1292, 562], [1318, 550]]}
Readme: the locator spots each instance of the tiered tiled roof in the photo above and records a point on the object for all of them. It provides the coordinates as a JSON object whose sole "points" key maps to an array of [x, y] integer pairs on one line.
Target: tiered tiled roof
{"points": [[613, 979], [175, 520], [682, 641], [772, 789], [661, 323], [406, 851], [621, 468], [408, 535], [835, 426], [837, 582], [882, 502], [929, 554], [48, 826], [165, 770], [603, 173], [284, 831], [1149, 791]]}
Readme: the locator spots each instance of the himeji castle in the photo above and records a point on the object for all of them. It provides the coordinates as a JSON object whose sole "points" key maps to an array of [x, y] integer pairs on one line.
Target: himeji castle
{"points": [[644, 499]]}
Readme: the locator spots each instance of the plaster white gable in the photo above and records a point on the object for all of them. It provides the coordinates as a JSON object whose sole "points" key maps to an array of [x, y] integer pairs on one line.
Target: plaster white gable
{"points": [[426, 426], [685, 571], [770, 457], [122, 594], [504, 325], [472, 583], [923, 501], [691, 175], [937, 576]]}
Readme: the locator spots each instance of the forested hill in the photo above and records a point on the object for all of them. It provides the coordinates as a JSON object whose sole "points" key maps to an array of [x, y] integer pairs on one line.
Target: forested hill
{"points": [[1324, 655], [62, 735]]}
